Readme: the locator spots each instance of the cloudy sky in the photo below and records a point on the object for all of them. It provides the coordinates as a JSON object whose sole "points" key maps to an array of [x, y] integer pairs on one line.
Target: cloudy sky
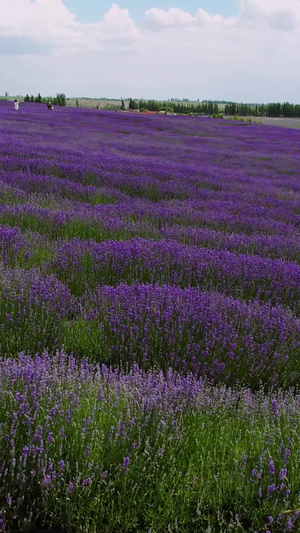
{"points": [[241, 50]]}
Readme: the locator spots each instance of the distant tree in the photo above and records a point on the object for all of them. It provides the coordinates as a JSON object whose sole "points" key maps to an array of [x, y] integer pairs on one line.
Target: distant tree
{"points": [[77, 103], [32, 98], [123, 105], [167, 109], [142, 104], [216, 109], [211, 107], [61, 99], [6, 94], [274, 110], [153, 105], [38, 99], [133, 104], [262, 110], [27, 98]]}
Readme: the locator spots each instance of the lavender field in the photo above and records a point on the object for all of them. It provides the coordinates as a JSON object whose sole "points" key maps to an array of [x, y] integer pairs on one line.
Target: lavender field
{"points": [[149, 323]]}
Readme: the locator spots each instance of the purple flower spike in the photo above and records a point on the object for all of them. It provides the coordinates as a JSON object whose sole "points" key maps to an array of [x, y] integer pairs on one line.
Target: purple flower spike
{"points": [[46, 481], [126, 462], [86, 482], [271, 466], [282, 474], [70, 488]]}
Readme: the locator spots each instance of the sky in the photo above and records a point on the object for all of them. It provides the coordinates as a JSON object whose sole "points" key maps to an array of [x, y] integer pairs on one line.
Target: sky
{"points": [[91, 10], [238, 50]]}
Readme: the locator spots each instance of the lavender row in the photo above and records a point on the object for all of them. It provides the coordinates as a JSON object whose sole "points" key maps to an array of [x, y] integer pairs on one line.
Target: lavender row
{"points": [[54, 217], [237, 212], [79, 440], [63, 188], [269, 246], [32, 310], [27, 248], [206, 333], [59, 224], [65, 225], [84, 264], [213, 336]]}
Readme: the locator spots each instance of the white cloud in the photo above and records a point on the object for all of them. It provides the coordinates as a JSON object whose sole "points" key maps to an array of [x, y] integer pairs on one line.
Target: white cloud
{"points": [[173, 53], [172, 18], [159, 19], [41, 20], [116, 32], [50, 21], [278, 14]]}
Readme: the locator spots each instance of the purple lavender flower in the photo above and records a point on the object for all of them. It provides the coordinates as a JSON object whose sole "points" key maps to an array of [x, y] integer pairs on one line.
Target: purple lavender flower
{"points": [[287, 454], [50, 437], [282, 474], [70, 488], [275, 408], [86, 482], [46, 481], [25, 451], [271, 466], [126, 462]]}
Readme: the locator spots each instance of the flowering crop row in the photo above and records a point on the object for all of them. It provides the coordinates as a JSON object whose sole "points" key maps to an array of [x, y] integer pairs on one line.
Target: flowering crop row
{"points": [[87, 448]]}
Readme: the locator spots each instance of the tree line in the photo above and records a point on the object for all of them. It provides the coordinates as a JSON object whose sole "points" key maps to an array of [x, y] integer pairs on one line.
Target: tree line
{"points": [[212, 108], [59, 99], [263, 110], [205, 108]]}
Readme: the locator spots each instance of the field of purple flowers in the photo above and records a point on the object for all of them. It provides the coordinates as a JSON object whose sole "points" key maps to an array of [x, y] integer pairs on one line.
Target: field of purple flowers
{"points": [[149, 323]]}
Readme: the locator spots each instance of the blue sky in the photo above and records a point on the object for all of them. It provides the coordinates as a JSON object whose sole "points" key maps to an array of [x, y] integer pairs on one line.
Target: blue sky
{"points": [[152, 48], [92, 10]]}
